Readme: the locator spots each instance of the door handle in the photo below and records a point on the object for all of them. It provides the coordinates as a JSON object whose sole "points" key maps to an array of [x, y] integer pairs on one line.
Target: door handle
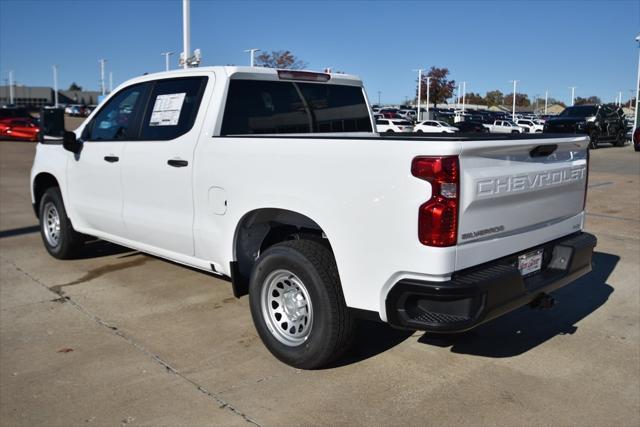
{"points": [[177, 163], [111, 159]]}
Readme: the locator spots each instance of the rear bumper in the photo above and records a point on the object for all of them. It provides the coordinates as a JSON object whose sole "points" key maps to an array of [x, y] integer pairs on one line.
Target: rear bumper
{"points": [[479, 294]]}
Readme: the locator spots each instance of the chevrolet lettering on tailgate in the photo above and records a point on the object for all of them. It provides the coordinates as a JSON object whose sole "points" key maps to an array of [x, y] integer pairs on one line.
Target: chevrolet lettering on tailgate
{"points": [[528, 182]]}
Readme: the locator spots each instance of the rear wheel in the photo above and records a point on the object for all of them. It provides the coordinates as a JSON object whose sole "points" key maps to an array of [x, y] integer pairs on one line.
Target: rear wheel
{"points": [[59, 237], [621, 140], [389, 131], [297, 304], [419, 131]]}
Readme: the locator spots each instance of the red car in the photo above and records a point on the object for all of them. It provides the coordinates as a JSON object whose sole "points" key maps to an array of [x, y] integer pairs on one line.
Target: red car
{"points": [[636, 139], [20, 128]]}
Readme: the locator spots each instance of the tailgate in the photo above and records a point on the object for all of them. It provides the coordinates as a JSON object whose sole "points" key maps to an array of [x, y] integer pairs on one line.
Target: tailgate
{"points": [[512, 190]]}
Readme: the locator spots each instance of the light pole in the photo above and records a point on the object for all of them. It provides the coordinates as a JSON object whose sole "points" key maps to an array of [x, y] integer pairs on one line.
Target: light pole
{"points": [[55, 85], [102, 85], [166, 59], [573, 93], [110, 81], [513, 114], [252, 52], [11, 87], [464, 95], [419, 70], [379, 92], [631, 97], [428, 91], [546, 98], [186, 33], [635, 120]]}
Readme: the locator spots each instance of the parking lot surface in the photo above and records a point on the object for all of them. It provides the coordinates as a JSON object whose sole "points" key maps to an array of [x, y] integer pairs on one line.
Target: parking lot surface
{"points": [[121, 337]]}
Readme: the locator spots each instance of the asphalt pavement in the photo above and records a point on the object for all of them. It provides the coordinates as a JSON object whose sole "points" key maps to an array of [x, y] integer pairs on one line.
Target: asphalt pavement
{"points": [[123, 338]]}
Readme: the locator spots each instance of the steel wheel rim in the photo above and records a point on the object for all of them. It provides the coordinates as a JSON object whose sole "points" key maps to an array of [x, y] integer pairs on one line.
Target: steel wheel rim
{"points": [[286, 308], [51, 224]]}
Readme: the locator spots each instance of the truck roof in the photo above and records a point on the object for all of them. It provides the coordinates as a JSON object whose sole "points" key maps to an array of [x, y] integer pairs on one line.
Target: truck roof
{"points": [[231, 72]]}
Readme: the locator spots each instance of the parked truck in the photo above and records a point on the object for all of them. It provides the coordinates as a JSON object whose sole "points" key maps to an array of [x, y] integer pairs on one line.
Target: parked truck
{"points": [[504, 126], [278, 180]]}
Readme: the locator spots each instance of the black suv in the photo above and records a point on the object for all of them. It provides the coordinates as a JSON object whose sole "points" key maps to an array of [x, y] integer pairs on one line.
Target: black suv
{"points": [[601, 122]]}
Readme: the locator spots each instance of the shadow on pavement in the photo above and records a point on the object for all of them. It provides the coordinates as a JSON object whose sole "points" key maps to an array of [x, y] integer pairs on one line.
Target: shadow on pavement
{"points": [[98, 248], [19, 231], [523, 329], [371, 339]]}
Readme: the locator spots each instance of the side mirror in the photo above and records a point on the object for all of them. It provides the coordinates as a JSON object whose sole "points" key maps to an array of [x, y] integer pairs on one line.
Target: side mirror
{"points": [[51, 125], [70, 143]]}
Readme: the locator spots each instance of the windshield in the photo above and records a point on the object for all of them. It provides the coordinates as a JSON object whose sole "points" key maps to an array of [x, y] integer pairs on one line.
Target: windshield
{"points": [[580, 111]]}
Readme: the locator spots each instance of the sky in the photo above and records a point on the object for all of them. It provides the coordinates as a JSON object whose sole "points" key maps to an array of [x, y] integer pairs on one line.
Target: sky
{"points": [[545, 45]]}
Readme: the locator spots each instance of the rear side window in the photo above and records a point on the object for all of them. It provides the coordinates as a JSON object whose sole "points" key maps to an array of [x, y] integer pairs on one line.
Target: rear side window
{"points": [[272, 107], [173, 107]]}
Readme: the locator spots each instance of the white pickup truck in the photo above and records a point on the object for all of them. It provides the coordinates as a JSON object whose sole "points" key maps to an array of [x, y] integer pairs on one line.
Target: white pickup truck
{"points": [[504, 126], [277, 180]]}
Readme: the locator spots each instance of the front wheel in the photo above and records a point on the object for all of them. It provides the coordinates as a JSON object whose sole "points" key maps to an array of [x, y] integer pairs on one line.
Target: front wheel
{"points": [[297, 304], [59, 237], [593, 141], [621, 140]]}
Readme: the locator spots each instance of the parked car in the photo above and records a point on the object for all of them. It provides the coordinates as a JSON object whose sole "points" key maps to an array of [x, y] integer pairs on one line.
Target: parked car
{"points": [[409, 115], [504, 126], [530, 126], [471, 127], [14, 112], [434, 126], [389, 113], [636, 139], [316, 229], [21, 128], [393, 125], [601, 122]]}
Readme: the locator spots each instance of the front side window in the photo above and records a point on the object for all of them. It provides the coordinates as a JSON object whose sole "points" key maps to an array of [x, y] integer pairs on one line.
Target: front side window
{"points": [[117, 119], [173, 107], [272, 107]]}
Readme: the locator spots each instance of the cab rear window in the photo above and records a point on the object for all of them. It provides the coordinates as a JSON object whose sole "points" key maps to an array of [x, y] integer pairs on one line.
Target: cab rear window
{"points": [[273, 107]]}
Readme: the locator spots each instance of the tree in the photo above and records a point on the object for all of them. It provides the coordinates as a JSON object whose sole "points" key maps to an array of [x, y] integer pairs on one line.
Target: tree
{"points": [[494, 98], [552, 101], [280, 59], [590, 100], [74, 86], [440, 88], [474, 98], [522, 99]]}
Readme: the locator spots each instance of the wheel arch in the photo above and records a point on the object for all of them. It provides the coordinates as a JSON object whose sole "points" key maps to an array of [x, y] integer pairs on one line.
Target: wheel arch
{"points": [[261, 228], [41, 183]]}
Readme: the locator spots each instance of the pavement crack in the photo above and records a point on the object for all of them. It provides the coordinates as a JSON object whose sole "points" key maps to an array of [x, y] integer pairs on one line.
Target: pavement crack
{"points": [[222, 404]]}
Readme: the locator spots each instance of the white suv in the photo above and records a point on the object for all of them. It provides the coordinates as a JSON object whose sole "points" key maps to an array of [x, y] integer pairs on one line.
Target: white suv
{"points": [[393, 125], [530, 126], [434, 126]]}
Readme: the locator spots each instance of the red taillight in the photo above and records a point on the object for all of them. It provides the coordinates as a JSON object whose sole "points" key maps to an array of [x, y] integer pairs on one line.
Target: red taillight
{"points": [[438, 216]]}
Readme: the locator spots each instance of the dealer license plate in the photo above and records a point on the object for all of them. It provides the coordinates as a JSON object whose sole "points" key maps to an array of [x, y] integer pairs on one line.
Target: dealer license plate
{"points": [[530, 262]]}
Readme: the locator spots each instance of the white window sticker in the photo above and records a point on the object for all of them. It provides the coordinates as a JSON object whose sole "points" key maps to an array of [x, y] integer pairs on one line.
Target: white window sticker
{"points": [[166, 110]]}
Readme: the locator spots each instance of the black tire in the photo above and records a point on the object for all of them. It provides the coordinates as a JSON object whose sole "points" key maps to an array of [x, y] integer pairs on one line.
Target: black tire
{"points": [[68, 242], [389, 131], [331, 325], [419, 131], [593, 141], [514, 131], [622, 139]]}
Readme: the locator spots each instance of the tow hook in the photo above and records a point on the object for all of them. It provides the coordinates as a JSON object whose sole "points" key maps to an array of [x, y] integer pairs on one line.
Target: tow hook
{"points": [[543, 302]]}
